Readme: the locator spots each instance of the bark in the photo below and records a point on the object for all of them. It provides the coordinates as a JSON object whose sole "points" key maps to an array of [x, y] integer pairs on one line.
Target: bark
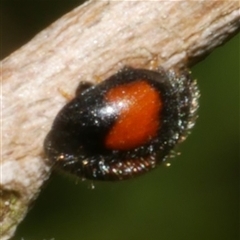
{"points": [[89, 44]]}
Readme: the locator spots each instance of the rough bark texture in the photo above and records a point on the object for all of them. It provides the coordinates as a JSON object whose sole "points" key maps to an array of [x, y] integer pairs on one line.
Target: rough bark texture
{"points": [[90, 43]]}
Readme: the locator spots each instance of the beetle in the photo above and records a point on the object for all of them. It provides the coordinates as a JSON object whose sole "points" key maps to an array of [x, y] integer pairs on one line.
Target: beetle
{"points": [[124, 126]]}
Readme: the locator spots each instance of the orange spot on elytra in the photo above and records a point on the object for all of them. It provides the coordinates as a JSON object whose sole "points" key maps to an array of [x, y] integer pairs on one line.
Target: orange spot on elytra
{"points": [[139, 107]]}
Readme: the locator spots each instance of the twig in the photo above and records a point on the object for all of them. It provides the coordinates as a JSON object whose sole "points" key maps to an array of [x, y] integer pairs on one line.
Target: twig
{"points": [[91, 42]]}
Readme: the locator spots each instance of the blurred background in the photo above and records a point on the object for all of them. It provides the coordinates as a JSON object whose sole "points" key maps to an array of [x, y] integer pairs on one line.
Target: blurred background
{"points": [[196, 198]]}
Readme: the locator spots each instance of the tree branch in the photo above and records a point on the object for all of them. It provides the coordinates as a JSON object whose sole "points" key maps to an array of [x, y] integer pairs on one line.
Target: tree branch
{"points": [[93, 41]]}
